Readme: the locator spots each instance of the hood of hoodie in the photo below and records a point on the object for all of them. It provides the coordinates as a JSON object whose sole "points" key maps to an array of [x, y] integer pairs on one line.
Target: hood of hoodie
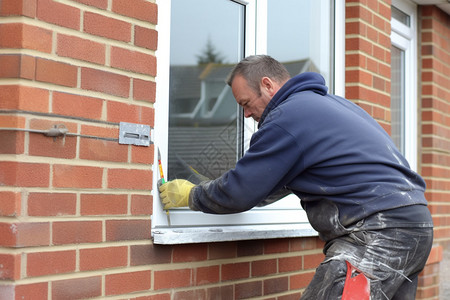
{"points": [[308, 81]]}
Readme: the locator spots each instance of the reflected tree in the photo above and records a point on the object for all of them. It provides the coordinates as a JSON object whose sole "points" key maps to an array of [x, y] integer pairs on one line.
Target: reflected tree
{"points": [[210, 54]]}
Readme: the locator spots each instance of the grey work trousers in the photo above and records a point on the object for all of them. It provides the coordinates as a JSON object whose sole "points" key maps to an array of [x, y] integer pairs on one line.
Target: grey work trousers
{"points": [[391, 258]]}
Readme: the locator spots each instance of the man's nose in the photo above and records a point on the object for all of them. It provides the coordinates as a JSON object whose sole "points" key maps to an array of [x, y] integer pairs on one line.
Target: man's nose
{"points": [[247, 113]]}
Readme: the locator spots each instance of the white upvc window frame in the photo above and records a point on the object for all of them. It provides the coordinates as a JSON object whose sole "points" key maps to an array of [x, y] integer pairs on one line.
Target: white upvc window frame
{"points": [[248, 225], [405, 38]]}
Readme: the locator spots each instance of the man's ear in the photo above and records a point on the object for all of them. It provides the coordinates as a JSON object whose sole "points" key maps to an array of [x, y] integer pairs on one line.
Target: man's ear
{"points": [[268, 86]]}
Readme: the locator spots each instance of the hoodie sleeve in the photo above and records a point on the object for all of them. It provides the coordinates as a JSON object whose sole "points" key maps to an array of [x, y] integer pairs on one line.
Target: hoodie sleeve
{"points": [[261, 172]]}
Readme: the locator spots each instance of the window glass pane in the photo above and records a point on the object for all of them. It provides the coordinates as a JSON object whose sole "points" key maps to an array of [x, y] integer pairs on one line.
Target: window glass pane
{"points": [[299, 35], [400, 16], [398, 97], [206, 42]]}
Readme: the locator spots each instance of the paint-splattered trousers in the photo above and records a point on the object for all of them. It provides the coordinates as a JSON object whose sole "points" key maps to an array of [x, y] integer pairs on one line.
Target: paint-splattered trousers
{"points": [[391, 258]]}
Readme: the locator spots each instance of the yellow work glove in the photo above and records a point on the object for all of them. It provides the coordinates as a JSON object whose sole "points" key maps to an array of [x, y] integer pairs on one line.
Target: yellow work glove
{"points": [[175, 193]]}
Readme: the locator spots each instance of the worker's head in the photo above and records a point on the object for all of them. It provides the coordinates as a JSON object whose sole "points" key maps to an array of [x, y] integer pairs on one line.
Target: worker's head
{"points": [[254, 81]]}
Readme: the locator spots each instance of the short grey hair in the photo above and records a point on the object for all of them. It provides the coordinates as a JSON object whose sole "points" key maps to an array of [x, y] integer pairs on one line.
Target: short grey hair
{"points": [[255, 67]]}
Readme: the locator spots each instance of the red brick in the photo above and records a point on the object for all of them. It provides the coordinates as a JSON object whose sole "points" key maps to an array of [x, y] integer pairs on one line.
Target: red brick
{"points": [[10, 203], [116, 284], [141, 9], [14, 97], [103, 258], [145, 37], [276, 246], [306, 243], [220, 292], [48, 263], [264, 267], [24, 174], [276, 285], [355, 28], [248, 290], [290, 264], [126, 230], [18, 8], [10, 266], [123, 112], [144, 90], [77, 232], [17, 66], [190, 253], [112, 131], [7, 291], [105, 82], [77, 106], [107, 27], [142, 155], [77, 288], [150, 254], [222, 250], [59, 14], [67, 176], [56, 72], [82, 49], [13, 142], [130, 179], [235, 271], [52, 204], [103, 4], [32, 234], [141, 205], [192, 294], [169, 279], [250, 248], [103, 204], [18, 36], [41, 145], [207, 275], [31, 291], [13, 121], [24, 234], [102, 150], [133, 61]]}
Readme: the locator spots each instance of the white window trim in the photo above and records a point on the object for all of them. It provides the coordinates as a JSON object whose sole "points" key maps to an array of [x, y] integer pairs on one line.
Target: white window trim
{"points": [[178, 233], [405, 38]]}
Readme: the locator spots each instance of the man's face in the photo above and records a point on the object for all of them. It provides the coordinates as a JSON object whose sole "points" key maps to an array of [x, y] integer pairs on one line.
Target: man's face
{"points": [[252, 103]]}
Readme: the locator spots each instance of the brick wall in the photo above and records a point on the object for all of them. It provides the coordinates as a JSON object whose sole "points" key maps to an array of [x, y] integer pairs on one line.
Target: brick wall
{"points": [[434, 63], [75, 211], [368, 58]]}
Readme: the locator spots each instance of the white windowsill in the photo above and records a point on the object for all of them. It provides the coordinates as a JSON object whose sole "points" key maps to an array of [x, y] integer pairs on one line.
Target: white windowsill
{"points": [[173, 236]]}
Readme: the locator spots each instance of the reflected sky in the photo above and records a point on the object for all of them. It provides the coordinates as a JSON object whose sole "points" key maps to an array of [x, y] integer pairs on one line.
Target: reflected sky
{"points": [[195, 21]]}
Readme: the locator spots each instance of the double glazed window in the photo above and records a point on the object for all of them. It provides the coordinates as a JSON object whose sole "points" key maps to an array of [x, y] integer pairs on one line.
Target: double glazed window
{"points": [[404, 79], [200, 129]]}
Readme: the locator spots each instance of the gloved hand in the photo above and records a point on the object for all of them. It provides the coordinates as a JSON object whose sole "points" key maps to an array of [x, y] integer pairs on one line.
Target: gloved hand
{"points": [[175, 193]]}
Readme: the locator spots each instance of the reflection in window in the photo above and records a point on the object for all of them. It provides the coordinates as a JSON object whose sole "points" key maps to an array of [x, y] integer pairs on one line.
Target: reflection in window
{"points": [[400, 16], [299, 35], [207, 38], [206, 42], [398, 97]]}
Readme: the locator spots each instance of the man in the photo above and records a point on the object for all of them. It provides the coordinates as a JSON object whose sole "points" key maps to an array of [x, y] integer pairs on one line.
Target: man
{"points": [[356, 188]]}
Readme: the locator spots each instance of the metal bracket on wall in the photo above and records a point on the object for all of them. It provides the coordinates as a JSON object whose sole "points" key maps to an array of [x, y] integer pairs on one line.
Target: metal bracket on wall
{"points": [[134, 134]]}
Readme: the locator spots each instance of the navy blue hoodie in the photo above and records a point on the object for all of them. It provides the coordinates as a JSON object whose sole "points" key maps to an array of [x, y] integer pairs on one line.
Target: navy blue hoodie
{"points": [[323, 148]]}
